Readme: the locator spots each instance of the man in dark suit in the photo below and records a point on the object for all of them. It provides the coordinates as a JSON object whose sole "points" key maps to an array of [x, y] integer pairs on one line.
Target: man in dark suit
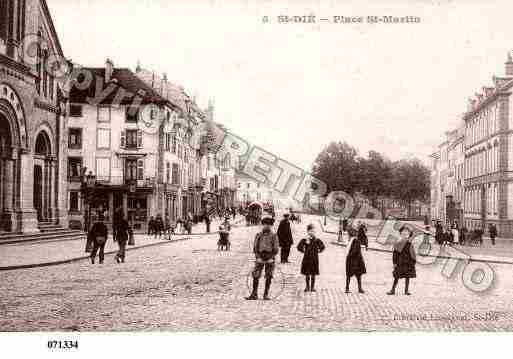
{"points": [[285, 238]]}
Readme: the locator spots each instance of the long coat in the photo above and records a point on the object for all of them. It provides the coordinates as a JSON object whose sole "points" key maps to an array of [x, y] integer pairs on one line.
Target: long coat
{"points": [[404, 260], [285, 233], [362, 235], [122, 231], [355, 265], [311, 250]]}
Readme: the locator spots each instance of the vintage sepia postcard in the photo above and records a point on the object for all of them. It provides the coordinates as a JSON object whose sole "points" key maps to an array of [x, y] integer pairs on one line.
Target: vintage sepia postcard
{"points": [[254, 166]]}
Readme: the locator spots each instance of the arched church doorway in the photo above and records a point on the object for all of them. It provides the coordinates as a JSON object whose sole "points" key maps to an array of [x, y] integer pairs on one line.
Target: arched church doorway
{"points": [[5, 175], [43, 177]]}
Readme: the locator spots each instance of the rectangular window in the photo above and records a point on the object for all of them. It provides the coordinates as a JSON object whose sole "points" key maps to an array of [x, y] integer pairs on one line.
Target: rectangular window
{"points": [[130, 170], [103, 169], [167, 141], [103, 138], [168, 172], [74, 201], [175, 174], [103, 114], [140, 169], [74, 168], [75, 110], [75, 138], [131, 138], [173, 145]]}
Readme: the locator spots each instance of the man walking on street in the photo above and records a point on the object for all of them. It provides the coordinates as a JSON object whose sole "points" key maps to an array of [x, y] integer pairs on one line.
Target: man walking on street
{"points": [[122, 233], [265, 249], [493, 232], [207, 222], [98, 235], [285, 238]]}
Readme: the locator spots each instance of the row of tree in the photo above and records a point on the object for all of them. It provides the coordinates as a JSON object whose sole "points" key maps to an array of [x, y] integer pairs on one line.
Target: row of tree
{"points": [[342, 169]]}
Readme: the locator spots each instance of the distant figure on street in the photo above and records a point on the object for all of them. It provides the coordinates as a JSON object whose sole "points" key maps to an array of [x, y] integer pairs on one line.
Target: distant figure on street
{"points": [[311, 246], [151, 226], [167, 226], [439, 233], [159, 226], [118, 216], [122, 234], [455, 234], [355, 265], [463, 235], [98, 236], [207, 222], [265, 248], [285, 238], [492, 230], [224, 241], [404, 260]]}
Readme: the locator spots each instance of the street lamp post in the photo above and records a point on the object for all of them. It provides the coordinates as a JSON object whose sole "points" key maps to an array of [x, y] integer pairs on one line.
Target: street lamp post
{"points": [[339, 239], [87, 187]]}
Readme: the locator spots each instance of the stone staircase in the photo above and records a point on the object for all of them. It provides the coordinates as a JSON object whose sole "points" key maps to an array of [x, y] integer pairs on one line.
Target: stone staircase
{"points": [[48, 232]]}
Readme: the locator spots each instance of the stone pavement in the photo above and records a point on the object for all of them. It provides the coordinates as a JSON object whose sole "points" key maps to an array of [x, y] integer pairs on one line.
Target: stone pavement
{"points": [[46, 252], [189, 285]]}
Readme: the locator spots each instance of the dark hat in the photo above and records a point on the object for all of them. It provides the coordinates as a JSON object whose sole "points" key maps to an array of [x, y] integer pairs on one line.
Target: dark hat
{"points": [[268, 220], [286, 214]]}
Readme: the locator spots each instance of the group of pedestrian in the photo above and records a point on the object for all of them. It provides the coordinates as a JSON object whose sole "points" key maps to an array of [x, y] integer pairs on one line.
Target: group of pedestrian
{"points": [[453, 234], [99, 233], [224, 235], [267, 244]]}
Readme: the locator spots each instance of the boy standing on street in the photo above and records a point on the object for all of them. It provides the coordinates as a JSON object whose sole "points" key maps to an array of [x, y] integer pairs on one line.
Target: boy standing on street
{"points": [[265, 249]]}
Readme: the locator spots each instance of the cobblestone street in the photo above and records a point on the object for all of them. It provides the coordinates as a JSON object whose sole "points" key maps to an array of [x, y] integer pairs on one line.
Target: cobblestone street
{"points": [[189, 285]]}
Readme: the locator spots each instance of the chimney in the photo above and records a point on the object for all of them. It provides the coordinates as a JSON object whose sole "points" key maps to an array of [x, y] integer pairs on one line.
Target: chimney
{"points": [[509, 66], [138, 67], [109, 70]]}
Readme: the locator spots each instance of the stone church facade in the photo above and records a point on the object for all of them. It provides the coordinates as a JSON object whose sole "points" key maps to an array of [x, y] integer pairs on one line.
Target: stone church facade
{"points": [[31, 121]]}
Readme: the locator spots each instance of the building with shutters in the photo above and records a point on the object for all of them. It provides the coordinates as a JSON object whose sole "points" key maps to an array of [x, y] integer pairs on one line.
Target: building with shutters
{"points": [[113, 132]]}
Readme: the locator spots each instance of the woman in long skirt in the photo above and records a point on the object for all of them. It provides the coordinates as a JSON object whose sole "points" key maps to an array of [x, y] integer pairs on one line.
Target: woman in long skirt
{"points": [[404, 260], [355, 265], [311, 246]]}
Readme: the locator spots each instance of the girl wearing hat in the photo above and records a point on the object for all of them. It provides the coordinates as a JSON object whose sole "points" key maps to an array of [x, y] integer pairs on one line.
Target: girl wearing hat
{"points": [[404, 260], [311, 246], [355, 265]]}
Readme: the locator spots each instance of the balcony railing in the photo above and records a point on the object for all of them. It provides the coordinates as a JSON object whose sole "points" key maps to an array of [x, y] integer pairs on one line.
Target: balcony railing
{"points": [[122, 180]]}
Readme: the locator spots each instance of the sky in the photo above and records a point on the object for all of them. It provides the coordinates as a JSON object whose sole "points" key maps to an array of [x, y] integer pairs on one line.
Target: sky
{"points": [[291, 88]]}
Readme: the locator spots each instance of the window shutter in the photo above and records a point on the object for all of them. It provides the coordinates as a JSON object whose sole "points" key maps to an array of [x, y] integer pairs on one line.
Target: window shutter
{"points": [[140, 169], [139, 138], [122, 141]]}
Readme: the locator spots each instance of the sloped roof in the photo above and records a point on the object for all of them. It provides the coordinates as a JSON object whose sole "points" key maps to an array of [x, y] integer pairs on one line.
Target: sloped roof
{"points": [[122, 78], [172, 92]]}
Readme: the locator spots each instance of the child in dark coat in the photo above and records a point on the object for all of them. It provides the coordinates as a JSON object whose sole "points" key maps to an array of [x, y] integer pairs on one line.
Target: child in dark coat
{"points": [[311, 246], [404, 260], [355, 265]]}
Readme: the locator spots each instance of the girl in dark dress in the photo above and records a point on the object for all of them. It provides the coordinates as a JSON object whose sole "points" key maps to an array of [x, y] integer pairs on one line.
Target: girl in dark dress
{"points": [[355, 265], [311, 246], [404, 260]]}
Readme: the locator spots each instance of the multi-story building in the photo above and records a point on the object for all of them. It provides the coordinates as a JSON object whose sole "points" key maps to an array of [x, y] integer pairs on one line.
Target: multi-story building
{"points": [[198, 180], [447, 178], [32, 165], [113, 132], [489, 155], [473, 169]]}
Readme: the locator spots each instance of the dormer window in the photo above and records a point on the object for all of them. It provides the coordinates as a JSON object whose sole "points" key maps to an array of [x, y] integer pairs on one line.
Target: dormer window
{"points": [[132, 113]]}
